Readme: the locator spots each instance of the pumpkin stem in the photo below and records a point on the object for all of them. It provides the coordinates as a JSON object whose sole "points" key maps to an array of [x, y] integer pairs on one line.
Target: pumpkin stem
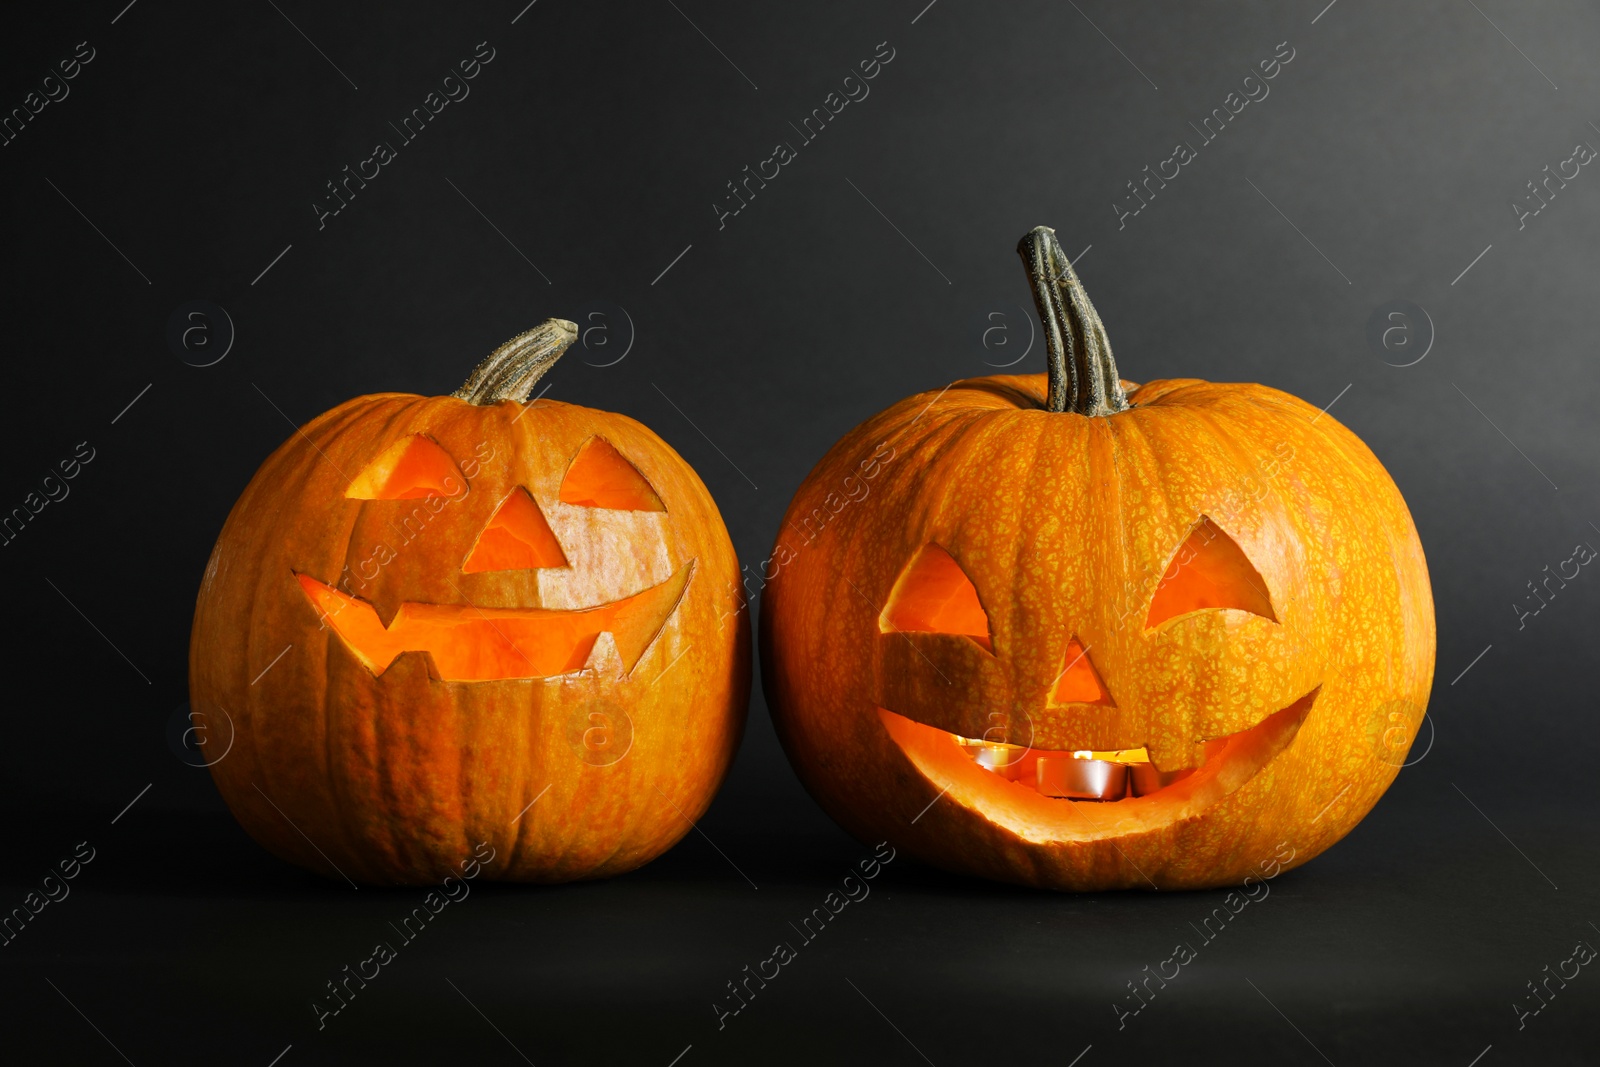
{"points": [[1083, 376], [511, 371]]}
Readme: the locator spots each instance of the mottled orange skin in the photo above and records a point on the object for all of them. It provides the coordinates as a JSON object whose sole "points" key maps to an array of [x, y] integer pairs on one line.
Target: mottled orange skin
{"points": [[397, 778], [1065, 524]]}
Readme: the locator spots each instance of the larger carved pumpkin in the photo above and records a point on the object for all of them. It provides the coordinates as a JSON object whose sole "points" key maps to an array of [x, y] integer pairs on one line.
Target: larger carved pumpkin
{"points": [[1080, 634], [435, 622]]}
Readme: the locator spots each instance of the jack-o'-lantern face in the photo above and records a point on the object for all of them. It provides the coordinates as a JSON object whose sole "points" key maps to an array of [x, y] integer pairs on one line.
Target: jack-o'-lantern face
{"points": [[1075, 633], [1078, 742], [444, 621], [466, 642]]}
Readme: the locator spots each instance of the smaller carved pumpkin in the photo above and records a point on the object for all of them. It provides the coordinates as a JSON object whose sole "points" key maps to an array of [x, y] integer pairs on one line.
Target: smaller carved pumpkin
{"points": [[1082, 634], [441, 621]]}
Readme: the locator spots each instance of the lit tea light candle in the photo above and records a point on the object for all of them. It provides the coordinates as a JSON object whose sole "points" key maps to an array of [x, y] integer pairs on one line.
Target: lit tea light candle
{"points": [[1081, 774], [1081, 777], [1008, 761], [1146, 779]]}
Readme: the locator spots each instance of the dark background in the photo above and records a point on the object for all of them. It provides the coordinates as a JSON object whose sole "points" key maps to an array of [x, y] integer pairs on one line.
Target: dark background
{"points": [[188, 155]]}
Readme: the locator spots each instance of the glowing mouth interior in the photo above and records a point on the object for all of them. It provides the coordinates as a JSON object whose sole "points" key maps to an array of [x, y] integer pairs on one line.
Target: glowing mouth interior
{"points": [[1079, 775], [473, 644], [1048, 795]]}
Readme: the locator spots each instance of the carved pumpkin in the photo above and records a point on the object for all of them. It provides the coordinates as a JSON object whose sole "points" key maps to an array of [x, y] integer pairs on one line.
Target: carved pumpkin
{"points": [[441, 621], [1080, 634]]}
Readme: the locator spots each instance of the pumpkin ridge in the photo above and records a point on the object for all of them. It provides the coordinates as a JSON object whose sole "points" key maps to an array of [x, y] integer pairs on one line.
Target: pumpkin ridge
{"points": [[406, 421], [336, 784], [299, 453]]}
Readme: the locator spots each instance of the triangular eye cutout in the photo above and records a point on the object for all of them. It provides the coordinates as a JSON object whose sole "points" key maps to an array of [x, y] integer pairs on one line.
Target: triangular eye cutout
{"points": [[600, 478], [934, 595], [517, 538], [1209, 572], [1079, 682], [412, 467]]}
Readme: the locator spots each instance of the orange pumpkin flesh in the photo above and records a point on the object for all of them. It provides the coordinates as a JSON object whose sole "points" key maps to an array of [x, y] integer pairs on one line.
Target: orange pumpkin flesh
{"points": [[459, 641], [517, 538], [1219, 575]]}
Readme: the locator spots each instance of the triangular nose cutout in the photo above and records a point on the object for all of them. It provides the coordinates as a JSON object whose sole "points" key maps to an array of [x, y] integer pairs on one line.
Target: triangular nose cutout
{"points": [[1079, 682], [517, 538]]}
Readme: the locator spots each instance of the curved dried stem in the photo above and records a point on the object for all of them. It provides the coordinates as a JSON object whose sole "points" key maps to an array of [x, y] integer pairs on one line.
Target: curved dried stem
{"points": [[511, 371]]}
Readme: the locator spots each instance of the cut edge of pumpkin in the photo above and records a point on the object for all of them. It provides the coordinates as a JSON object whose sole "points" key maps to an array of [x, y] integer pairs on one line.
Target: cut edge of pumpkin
{"points": [[517, 537]]}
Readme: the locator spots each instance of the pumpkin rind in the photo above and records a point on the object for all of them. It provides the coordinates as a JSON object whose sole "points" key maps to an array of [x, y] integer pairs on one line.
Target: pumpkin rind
{"points": [[1065, 523], [396, 779]]}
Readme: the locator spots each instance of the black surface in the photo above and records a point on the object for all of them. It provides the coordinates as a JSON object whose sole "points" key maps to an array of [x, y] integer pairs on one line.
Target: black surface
{"points": [[597, 141]]}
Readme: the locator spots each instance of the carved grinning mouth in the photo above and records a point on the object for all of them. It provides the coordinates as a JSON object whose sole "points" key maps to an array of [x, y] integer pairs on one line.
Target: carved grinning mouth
{"points": [[1032, 789], [472, 644]]}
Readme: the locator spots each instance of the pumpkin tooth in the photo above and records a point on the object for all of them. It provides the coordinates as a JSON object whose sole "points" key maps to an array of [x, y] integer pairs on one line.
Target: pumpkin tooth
{"points": [[1145, 779]]}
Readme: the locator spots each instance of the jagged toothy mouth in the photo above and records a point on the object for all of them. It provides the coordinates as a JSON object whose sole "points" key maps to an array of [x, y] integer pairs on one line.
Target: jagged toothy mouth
{"points": [[468, 643], [1024, 788]]}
